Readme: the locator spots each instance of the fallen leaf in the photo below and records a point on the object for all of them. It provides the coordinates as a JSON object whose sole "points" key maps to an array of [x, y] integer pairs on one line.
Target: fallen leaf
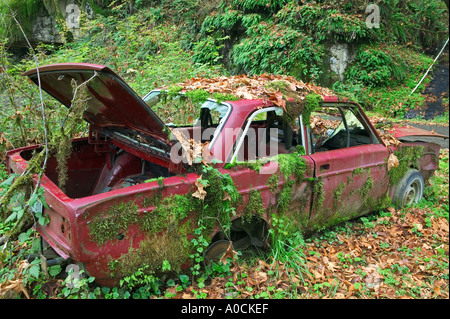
{"points": [[226, 196], [200, 193], [230, 253], [392, 161]]}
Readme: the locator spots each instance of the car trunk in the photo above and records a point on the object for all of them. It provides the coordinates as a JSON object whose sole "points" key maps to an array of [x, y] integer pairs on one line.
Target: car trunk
{"points": [[91, 171], [128, 143]]}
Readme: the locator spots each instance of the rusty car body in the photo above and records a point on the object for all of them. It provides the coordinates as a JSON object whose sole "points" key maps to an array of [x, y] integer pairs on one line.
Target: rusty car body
{"points": [[121, 178]]}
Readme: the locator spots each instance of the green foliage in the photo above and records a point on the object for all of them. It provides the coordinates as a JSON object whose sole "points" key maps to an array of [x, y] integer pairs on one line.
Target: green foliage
{"points": [[23, 12], [324, 22], [207, 50], [198, 96], [146, 284], [412, 21], [222, 97], [287, 247], [264, 5], [214, 209], [367, 186], [276, 36], [312, 103], [278, 49], [373, 67], [77, 287], [384, 79], [285, 197], [254, 207], [292, 164], [167, 211], [199, 244], [289, 37]]}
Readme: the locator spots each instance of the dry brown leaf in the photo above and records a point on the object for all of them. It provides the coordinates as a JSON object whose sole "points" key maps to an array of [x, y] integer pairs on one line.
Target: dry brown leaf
{"points": [[230, 253], [254, 87], [200, 193], [226, 196], [187, 296], [389, 139], [392, 161], [16, 284]]}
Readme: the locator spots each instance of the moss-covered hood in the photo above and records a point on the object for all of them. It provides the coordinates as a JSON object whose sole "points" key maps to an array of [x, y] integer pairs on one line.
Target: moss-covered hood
{"points": [[111, 102]]}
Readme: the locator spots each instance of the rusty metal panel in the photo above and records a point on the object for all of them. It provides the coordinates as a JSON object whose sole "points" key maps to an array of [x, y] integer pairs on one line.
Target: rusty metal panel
{"points": [[347, 182], [404, 131]]}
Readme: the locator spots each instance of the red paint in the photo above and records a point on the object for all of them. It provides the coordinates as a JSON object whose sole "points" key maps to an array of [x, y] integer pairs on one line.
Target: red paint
{"points": [[412, 131], [112, 103]]}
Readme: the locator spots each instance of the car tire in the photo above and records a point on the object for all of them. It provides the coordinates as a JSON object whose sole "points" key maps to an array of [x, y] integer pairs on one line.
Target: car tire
{"points": [[409, 189], [215, 251]]}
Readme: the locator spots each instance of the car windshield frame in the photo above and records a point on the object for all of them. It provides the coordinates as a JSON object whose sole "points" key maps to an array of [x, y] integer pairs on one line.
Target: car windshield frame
{"points": [[209, 103]]}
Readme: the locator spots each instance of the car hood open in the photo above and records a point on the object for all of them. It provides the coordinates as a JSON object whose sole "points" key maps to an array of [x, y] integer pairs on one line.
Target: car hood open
{"points": [[111, 102], [405, 131]]}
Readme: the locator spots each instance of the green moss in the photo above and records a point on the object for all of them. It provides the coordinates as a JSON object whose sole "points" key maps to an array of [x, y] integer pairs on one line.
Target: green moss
{"points": [[20, 183], [318, 194], [198, 96], [357, 171], [367, 186], [167, 212], [337, 194], [254, 207], [153, 251], [285, 196], [408, 157], [296, 103], [24, 12], [63, 153], [222, 97], [272, 182], [372, 205], [296, 106], [115, 220], [312, 103], [281, 86], [166, 227], [173, 91], [349, 180]]}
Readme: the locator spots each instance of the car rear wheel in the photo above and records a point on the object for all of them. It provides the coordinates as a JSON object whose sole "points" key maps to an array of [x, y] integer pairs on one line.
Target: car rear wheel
{"points": [[409, 190], [216, 250]]}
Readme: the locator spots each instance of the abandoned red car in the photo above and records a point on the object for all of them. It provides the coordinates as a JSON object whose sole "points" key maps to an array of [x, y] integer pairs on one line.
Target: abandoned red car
{"points": [[136, 188]]}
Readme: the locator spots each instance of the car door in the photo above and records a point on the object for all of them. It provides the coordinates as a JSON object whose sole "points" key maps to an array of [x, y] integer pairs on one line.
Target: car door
{"points": [[267, 162], [350, 171]]}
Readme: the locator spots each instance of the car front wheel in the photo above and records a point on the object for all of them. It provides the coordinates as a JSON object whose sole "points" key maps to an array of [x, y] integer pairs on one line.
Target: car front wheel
{"points": [[409, 190]]}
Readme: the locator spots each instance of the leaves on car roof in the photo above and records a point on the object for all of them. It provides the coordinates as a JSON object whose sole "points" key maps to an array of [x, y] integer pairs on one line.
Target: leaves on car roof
{"points": [[256, 87]]}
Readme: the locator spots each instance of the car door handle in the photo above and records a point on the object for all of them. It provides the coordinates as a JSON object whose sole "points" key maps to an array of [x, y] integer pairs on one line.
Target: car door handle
{"points": [[324, 167]]}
